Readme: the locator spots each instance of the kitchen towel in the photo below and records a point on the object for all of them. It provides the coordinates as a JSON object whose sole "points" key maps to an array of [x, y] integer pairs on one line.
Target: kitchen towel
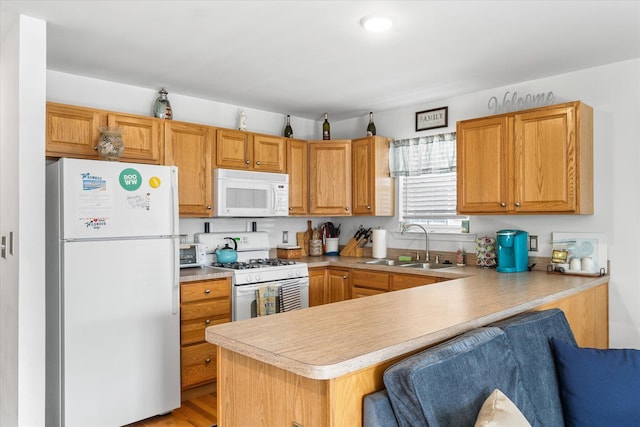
{"points": [[290, 297], [379, 243], [266, 300]]}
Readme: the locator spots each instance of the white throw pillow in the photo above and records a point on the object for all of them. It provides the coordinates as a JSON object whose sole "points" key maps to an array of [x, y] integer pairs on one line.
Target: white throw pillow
{"points": [[498, 411]]}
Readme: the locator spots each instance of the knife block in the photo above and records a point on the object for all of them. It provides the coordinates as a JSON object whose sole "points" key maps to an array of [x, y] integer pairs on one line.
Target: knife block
{"points": [[352, 248]]}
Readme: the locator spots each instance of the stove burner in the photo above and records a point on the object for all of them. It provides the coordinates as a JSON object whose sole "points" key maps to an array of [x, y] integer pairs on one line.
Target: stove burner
{"points": [[254, 263], [271, 262]]}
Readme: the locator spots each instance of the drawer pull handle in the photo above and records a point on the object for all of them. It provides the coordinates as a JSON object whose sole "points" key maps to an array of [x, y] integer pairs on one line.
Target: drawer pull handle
{"points": [[207, 360], [206, 322], [207, 291]]}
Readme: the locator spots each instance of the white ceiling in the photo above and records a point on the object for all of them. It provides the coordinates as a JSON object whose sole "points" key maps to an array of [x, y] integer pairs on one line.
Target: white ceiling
{"points": [[307, 57]]}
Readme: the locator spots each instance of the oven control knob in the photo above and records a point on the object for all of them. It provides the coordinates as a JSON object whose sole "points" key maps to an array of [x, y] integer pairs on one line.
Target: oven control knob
{"points": [[258, 278]]}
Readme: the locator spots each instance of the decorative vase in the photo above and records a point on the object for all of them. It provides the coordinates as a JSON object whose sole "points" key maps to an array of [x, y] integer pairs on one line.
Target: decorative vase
{"points": [[162, 106], [110, 145]]}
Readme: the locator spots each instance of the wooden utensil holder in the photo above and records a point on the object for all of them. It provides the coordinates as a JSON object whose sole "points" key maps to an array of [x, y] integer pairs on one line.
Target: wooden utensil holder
{"points": [[352, 248]]}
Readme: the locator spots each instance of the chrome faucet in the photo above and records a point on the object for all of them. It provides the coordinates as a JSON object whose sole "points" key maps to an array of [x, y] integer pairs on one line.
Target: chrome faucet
{"points": [[406, 226]]}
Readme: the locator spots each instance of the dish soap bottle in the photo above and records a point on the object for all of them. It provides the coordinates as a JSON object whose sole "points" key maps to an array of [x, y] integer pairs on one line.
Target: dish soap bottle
{"points": [[460, 256]]}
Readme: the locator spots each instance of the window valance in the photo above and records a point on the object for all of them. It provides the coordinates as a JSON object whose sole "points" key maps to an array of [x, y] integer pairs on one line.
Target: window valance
{"points": [[423, 155]]}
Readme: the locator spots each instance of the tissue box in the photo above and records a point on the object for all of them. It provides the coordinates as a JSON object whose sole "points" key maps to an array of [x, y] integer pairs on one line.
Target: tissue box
{"points": [[289, 252]]}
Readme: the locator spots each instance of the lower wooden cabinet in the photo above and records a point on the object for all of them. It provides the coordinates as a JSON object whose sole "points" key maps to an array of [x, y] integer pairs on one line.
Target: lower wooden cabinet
{"points": [[202, 304], [327, 285], [317, 286], [338, 285], [198, 364], [368, 282], [405, 281]]}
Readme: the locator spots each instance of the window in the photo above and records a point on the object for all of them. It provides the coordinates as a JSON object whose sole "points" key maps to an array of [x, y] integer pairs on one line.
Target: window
{"points": [[430, 200], [426, 171]]}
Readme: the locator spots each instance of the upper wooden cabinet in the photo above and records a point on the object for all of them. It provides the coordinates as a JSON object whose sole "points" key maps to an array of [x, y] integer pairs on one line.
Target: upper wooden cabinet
{"points": [[73, 132], [537, 161], [241, 150], [372, 185], [269, 153], [190, 148], [298, 170], [143, 137], [330, 177]]}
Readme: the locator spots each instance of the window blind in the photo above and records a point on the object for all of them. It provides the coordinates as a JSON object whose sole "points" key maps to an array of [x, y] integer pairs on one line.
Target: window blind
{"points": [[428, 196]]}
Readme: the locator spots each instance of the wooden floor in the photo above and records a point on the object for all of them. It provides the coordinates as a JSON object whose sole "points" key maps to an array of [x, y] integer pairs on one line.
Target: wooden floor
{"points": [[196, 412]]}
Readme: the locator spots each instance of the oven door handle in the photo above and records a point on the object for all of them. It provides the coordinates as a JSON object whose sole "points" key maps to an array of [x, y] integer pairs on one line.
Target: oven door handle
{"points": [[247, 289]]}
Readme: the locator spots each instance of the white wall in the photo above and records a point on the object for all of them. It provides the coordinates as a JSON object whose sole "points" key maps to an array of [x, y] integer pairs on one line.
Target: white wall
{"points": [[613, 91], [22, 195], [89, 92]]}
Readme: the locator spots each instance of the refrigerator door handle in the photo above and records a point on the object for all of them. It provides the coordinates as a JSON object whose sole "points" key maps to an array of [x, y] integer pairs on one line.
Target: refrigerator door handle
{"points": [[175, 295], [176, 242]]}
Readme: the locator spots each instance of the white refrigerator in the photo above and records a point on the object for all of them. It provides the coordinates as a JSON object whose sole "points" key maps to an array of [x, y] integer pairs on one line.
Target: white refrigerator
{"points": [[113, 321]]}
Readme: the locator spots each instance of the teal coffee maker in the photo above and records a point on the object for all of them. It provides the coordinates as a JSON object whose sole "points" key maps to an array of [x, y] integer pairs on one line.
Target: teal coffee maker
{"points": [[512, 253]]}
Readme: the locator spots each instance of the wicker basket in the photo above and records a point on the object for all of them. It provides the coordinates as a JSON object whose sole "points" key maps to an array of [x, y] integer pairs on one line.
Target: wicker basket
{"points": [[290, 253]]}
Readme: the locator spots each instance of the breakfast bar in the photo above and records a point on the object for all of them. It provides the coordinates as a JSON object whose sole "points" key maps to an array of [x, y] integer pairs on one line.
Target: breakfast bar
{"points": [[312, 367]]}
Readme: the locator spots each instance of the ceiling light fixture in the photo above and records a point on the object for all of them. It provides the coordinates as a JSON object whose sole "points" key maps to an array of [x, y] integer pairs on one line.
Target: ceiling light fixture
{"points": [[375, 23]]}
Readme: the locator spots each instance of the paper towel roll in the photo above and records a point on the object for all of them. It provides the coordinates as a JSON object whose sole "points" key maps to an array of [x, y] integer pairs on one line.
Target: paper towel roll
{"points": [[379, 242]]}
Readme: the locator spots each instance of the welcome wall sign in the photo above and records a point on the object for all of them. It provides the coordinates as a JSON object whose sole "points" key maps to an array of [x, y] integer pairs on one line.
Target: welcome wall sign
{"points": [[513, 102]]}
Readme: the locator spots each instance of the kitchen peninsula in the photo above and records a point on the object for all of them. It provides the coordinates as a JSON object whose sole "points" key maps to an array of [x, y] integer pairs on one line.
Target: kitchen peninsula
{"points": [[312, 367]]}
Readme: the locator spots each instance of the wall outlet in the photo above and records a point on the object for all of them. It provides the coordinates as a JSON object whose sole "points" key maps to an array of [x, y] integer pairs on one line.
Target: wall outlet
{"points": [[285, 237], [533, 243]]}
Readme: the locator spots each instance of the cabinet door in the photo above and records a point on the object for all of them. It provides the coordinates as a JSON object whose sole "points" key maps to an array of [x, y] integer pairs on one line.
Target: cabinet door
{"points": [[372, 185], [232, 149], [143, 137], [330, 177], [297, 168], [269, 153], [73, 131], [545, 158], [190, 147], [483, 166], [317, 286], [338, 285]]}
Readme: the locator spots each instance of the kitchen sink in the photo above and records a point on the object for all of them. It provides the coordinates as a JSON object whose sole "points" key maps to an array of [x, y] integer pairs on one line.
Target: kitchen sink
{"points": [[427, 265], [383, 262]]}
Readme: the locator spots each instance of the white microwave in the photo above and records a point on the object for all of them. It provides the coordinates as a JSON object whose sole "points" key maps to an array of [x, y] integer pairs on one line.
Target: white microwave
{"points": [[238, 193]]}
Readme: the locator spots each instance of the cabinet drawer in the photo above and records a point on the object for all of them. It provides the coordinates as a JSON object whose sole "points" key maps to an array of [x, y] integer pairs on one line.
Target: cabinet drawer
{"points": [[364, 292], [205, 309], [192, 331], [370, 279], [206, 290], [198, 364], [404, 281]]}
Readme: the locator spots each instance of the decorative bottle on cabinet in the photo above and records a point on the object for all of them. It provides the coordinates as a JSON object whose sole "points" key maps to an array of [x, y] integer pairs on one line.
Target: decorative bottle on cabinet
{"points": [[288, 130], [371, 128], [326, 128], [162, 106]]}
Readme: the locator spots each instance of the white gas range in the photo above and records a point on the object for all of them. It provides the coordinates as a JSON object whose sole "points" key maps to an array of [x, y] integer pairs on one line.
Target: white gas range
{"points": [[254, 269]]}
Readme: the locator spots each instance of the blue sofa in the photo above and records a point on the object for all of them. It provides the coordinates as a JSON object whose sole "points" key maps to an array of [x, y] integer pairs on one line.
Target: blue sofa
{"points": [[446, 385]]}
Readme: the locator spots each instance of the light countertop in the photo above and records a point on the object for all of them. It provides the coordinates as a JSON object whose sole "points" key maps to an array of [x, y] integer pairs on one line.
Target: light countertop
{"points": [[332, 340]]}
